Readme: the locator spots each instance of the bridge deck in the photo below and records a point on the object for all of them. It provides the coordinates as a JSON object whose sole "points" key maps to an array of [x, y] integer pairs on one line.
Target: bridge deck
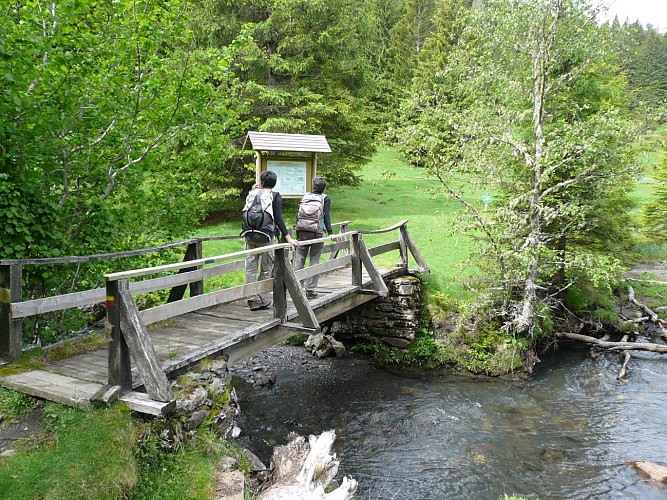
{"points": [[230, 329]]}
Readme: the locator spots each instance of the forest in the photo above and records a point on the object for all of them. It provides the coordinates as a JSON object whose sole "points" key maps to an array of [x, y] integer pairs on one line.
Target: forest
{"points": [[121, 126]]}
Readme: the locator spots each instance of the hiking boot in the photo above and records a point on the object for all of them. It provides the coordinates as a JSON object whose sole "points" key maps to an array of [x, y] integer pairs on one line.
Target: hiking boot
{"points": [[256, 305], [311, 294]]}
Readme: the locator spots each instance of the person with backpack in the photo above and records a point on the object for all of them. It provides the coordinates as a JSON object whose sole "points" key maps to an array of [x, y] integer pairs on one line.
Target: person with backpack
{"points": [[312, 221], [262, 221]]}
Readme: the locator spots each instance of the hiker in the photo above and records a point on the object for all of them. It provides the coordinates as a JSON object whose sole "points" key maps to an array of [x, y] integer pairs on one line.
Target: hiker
{"points": [[312, 220], [262, 218]]}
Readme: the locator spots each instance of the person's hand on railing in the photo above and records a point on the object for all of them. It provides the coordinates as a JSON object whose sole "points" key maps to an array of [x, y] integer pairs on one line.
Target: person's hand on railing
{"points": [[291, 240]]}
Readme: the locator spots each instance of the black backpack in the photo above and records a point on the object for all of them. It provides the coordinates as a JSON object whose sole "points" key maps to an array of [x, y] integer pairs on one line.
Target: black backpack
{"points": [[256, 222]]}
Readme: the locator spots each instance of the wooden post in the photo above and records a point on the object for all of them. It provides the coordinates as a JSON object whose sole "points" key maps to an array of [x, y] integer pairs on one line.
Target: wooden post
{"points": [[298, 294], [195, 249], [403, 250], [356, 260], [120, 371], [423, 267], [344, 228], [193, 252], [279, 296], [10, 329]]}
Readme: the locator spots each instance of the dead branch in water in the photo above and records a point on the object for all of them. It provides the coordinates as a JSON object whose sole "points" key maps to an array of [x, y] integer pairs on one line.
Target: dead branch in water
{"points": [[614, 346], [623, 372]]}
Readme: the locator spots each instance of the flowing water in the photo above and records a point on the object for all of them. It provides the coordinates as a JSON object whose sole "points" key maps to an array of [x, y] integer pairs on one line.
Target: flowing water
{"points": [[568, 432]]}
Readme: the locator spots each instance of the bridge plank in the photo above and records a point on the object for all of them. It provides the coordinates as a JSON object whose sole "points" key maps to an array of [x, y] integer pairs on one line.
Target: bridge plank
{"points": [[54, 387]]}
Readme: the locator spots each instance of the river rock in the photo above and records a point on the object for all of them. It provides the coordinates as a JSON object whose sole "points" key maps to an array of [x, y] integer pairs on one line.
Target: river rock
{"points": [[322, 345]]}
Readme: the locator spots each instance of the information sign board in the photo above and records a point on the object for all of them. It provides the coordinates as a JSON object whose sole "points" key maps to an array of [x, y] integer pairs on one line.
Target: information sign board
{"points": [[291, 176]]}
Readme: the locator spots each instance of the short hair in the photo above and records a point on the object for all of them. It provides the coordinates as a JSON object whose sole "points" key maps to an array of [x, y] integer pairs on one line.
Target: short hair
{"points": [[319, 184], [268, 179]]}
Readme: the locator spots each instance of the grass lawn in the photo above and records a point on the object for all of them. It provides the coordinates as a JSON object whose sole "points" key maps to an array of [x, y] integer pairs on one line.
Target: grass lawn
{"points": [[390, 191]]}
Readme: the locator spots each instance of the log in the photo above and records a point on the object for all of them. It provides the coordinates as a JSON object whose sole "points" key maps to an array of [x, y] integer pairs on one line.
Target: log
{"points": [[631, 298], [302, 470], [614, 346]]}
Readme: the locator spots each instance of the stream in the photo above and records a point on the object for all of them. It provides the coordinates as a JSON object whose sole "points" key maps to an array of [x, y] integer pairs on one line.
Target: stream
{"points": [[568, 432]]}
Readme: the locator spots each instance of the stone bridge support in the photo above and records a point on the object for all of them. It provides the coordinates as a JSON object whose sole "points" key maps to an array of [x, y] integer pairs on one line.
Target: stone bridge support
{"points": [[394, 319]]}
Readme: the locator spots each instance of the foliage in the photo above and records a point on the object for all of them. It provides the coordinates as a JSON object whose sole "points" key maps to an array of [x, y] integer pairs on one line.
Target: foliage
{"points": [[303, 72], [655, 211], [521, 105], [380, 353], [188, 472], [107, 115], [14, 405]]}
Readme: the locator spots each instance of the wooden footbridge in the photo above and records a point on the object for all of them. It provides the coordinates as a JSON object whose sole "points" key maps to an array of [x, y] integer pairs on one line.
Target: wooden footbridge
{"points": [[147, 347]]}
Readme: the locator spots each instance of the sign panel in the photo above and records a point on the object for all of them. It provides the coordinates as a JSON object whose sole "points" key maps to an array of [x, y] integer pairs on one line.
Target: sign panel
{"points": [[291, 176]]}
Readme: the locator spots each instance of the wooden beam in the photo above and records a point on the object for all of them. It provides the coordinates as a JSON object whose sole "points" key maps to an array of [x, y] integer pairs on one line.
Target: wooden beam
{"points": [[298, 295], [323, 267], [92, 296], [166, 311], [11, 344], [180, 265], [107, 394], [194, 252], [142, 403], [141, 348], [356, 260], [53, 387], [120, 369], [387, 247], [280, 263], [378, 283], [396, 226], [403, 249], [92, 258]]}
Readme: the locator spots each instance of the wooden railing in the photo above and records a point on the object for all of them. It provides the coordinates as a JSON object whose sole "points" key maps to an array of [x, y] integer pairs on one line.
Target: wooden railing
{"points": [[192, 272]]}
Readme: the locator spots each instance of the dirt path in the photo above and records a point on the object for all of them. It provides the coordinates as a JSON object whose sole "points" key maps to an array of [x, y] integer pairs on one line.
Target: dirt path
{"points": [[651, 272]]}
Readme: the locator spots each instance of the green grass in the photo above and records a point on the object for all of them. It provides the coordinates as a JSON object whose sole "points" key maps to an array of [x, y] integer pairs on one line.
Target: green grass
{"points": [[390, 192], [98, 453], [89, 455], [14, 405], [190, 472]]}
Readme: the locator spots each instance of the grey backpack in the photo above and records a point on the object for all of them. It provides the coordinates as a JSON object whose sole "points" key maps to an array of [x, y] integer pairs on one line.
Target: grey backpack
{"points": [[310, 217]]}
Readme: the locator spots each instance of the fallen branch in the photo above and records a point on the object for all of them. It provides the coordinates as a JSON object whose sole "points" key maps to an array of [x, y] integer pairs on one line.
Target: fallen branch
{"points": [[626, 360], [631, 298], [652, 315], [614, 346]]}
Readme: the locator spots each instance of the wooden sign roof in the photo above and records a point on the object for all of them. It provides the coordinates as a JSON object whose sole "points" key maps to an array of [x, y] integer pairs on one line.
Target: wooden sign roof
{"points": [[271, 141]]}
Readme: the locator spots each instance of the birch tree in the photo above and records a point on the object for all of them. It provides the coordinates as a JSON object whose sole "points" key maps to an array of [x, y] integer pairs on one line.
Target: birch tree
{"points": [[528, 108]]}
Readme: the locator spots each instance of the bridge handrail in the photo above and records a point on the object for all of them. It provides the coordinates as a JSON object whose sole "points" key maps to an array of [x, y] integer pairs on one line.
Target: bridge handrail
{"points": [[191, 273], [396, 226], [74, 259], [211, 260]]}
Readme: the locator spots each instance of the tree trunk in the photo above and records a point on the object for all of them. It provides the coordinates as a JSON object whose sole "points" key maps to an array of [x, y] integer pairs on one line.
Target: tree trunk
{"points": [[302, 470]]}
